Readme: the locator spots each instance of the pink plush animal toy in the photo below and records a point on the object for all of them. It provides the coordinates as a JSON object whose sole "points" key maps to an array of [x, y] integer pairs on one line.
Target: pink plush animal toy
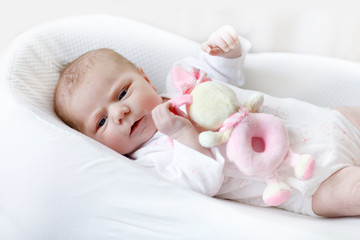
{"points": [[257, 143]]}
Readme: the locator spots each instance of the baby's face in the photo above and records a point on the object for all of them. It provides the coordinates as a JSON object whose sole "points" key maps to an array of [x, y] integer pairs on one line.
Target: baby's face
{"points": [[113, 106]]}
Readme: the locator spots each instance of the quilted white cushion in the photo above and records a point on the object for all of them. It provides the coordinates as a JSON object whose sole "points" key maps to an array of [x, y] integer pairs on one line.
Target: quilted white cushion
{"points": [[324, 81], [38, 55], [56, 183]]}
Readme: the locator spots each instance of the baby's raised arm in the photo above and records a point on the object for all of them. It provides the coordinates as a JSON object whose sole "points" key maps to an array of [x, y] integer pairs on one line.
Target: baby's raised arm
{"points": [[224, 42], [177, 127]]}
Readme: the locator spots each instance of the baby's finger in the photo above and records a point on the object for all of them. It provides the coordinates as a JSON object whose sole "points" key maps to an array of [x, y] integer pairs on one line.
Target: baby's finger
{"points": [[160, 112], [216, 51], [231, 32], [216, 40], [230, 40], [176, 110], [205, 47], [221, 41], [229, 36], [155, 115]]}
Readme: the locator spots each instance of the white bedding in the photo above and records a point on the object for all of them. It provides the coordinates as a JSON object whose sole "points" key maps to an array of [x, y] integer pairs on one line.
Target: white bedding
{"points": [[56, 183]]}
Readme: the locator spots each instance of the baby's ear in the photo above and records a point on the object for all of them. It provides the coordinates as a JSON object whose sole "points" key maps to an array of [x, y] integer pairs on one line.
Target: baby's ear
{"points": [[141, 71]]}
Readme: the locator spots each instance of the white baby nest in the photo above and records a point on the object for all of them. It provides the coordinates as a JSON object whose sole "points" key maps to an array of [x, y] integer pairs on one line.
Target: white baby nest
{"points": [[56, 183]]}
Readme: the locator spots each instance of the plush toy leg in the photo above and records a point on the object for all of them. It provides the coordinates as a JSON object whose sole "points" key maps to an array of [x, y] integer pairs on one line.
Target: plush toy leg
{"points": [[209, 139], [276, 192], [254, 102], [303, 164]]}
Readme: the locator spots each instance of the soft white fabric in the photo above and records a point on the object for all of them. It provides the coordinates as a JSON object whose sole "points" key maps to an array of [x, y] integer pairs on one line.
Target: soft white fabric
{"points": [[180, 164], [58, 184]]}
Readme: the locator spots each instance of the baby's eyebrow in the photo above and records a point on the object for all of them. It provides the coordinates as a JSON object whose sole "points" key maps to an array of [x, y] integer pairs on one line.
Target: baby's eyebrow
{"points": [[117, 88]]}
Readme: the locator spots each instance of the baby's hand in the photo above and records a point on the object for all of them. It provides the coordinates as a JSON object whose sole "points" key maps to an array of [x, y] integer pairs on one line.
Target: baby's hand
{"points": [[223, 42], [169, 123]]}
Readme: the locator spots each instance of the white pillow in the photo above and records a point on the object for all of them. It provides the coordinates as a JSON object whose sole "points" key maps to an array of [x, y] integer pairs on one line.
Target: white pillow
{"points": [[323, 81], [56, 183]]}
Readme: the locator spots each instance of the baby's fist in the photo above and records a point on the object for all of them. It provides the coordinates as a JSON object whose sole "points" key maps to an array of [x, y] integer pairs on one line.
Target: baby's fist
{"points": [[223, 42]]}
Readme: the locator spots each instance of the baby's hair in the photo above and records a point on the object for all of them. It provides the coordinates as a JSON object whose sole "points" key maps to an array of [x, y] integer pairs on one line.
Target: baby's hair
{"points": [[74, 73]]}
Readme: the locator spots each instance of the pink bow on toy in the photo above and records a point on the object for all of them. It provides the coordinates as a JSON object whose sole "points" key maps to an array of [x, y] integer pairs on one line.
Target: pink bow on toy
{"points": [[186, 81]]}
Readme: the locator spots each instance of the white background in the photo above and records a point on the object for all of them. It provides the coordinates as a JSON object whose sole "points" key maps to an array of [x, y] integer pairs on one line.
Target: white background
{"points": [[322, 27]]}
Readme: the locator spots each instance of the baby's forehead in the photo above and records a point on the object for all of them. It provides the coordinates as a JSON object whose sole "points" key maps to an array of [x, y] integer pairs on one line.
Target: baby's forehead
{"points": [[90, 60], [95, 62], [81, 67], [101, 58]]}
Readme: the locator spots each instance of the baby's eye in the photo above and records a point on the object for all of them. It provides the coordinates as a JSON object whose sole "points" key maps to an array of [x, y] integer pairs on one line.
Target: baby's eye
{"points": [[102, 122], [122, 94]]}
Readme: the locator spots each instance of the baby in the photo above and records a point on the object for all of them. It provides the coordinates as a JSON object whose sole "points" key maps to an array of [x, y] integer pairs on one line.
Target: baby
{"points": [[109, 99]]}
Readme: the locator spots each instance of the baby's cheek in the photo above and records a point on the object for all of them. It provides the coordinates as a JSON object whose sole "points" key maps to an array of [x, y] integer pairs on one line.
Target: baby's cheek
{"points": [[110, 142], [115, 141]]}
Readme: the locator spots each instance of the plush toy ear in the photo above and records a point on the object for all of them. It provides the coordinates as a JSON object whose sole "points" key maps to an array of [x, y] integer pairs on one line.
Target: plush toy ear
{"points": [[182, 80]]}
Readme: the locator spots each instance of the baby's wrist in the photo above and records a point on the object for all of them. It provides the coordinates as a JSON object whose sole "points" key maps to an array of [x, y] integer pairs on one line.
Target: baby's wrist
{"points": [[185, 133], [190, 138]]}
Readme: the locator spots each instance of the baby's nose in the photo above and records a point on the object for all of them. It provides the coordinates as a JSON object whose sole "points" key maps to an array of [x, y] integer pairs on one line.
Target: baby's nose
{"points": [[119, 113]]}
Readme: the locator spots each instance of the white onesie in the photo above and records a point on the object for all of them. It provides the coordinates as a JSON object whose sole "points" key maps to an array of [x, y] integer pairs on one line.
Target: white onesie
{"points": [[324, 133]]}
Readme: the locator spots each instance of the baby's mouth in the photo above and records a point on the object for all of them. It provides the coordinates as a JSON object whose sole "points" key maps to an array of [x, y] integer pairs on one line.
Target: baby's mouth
{"points": [[135, 125]]}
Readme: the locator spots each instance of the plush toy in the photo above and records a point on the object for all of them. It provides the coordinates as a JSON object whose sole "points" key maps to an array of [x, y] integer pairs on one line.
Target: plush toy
{"points": [[257, 143]]}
